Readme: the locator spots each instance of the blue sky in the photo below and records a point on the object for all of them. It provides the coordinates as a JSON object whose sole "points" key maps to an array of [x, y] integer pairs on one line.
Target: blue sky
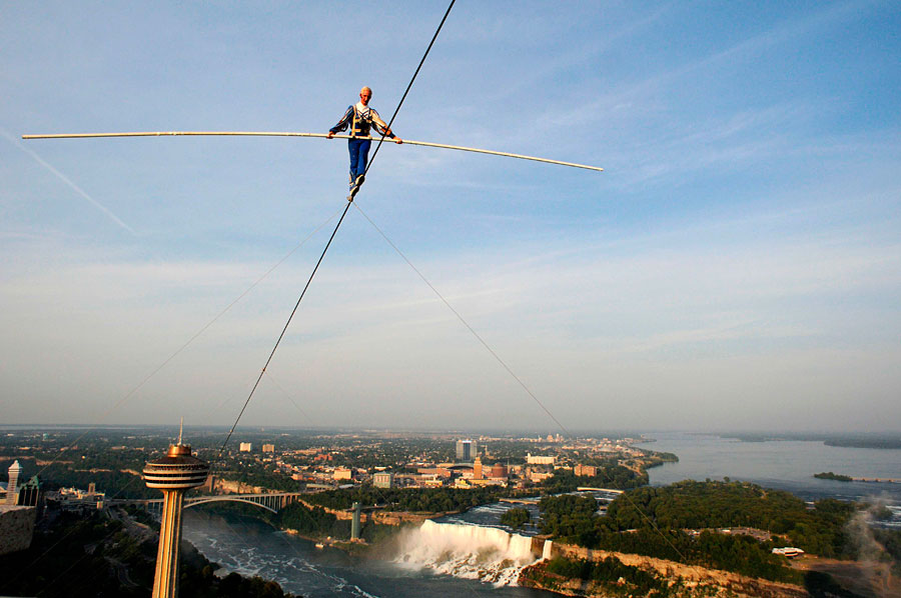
{"points": [[736, 266]]}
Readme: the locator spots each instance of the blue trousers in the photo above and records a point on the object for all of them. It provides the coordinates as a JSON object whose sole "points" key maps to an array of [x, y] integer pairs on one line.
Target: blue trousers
{"points": [[359, 154]]}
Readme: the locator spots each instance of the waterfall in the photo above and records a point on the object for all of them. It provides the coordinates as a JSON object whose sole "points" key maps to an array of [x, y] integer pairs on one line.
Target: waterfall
{"points": [[546, 550], [467, 551]]}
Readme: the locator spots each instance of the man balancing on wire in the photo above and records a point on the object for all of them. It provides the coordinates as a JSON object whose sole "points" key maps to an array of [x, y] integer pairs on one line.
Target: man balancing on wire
{"points": [[361, 118]]}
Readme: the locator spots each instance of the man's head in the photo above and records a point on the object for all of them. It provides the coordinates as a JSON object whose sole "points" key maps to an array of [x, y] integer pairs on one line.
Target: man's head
{"points": [[365, 96]]}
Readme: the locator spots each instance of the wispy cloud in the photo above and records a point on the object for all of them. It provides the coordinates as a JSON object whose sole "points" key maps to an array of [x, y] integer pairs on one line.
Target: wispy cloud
{"points": [[68, 182], [599, 109]]}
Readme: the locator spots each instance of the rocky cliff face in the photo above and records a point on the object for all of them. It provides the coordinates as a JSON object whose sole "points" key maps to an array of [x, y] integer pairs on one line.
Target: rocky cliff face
{"points": [[688, 581], [16, 528]]}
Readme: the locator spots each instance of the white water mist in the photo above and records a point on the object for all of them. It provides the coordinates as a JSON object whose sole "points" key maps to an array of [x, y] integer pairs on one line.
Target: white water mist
{"points": [[467, 551]]}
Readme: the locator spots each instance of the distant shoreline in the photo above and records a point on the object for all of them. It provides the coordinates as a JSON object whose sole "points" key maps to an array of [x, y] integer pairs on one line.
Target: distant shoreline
{"points": [[881, 442]]}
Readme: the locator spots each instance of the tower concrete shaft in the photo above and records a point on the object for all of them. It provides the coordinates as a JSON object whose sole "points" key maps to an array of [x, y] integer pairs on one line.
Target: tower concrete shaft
{"points": [[355, 522], [166, 576], [174, 474]]}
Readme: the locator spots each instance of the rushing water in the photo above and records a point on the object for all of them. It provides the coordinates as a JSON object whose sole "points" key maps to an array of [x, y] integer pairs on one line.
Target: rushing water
{"points": [[472, 554], [490, 516], [251, 547], [488, 554]]}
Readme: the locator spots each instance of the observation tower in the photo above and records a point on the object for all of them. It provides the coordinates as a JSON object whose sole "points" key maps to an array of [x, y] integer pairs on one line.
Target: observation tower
{"points": [[174, 474]]}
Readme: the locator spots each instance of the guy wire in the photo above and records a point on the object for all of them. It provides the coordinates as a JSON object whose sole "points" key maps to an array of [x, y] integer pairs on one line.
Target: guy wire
{"points": [[465, 323]]}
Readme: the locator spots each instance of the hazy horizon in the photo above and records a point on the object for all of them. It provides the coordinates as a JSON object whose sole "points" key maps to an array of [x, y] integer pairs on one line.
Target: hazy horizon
{"points": [[736, 266], [774, 434]]}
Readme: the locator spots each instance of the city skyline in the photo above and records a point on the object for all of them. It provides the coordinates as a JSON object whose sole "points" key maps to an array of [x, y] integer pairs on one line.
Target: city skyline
{"points": [[736, 266]]}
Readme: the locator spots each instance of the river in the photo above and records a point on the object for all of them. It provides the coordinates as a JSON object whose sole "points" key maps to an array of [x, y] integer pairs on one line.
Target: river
{"points": [[780, 464], [470, 556], [250, 547]]}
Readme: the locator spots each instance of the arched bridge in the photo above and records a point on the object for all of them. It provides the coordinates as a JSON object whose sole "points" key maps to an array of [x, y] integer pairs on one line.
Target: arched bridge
{"points": [[271, 502]]}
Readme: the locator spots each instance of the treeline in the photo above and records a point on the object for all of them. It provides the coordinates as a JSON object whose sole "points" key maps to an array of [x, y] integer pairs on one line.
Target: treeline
{"points": [[652, 522], [828, 475], [613, 577], [658, 458], [264, 479], [312, 522], [431, 500], [700, 505], [574, 519], [82, 557], [608, 476], [890, 540], [115, 484], [318, 523], [516, 517]]}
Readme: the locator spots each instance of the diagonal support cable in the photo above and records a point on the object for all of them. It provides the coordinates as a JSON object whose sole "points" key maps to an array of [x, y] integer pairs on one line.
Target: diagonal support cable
{"points": [[465, 323], [327, 245]]}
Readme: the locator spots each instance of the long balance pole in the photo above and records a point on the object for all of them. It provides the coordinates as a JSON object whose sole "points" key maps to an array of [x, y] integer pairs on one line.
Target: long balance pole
{"points": [[283, 134]]}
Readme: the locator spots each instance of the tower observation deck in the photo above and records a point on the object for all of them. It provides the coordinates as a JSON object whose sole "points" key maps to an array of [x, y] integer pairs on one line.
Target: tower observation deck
{"points": [[174, 474]]}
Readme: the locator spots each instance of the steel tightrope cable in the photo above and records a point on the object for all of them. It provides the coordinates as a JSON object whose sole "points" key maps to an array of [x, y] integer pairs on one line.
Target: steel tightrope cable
{"points": [[410, 85], [331, 238]]}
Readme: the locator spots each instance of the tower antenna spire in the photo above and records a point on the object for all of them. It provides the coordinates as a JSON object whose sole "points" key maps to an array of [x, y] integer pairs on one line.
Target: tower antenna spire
{"points": [[181, 428]]}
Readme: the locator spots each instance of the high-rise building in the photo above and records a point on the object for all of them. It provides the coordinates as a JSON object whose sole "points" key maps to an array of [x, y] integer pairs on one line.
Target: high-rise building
{"points": [[467, 450], [245, 447], [174, 474], [268, 448]]}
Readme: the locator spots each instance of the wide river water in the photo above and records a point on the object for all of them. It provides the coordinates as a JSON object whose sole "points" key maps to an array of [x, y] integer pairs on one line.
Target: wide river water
{"points": [[250, 547], [782, 464]]}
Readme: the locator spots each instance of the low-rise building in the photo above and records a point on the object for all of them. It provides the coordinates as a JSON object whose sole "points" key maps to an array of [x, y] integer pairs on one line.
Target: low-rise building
{"points": [[342, 473], [540, 459], [539, 476], [585, 470], [498, 470], [383, 479]]}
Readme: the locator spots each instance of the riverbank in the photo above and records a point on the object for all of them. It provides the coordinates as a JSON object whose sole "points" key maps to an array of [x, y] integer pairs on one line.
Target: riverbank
{"points": [[539, 577], [577, 571]]}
